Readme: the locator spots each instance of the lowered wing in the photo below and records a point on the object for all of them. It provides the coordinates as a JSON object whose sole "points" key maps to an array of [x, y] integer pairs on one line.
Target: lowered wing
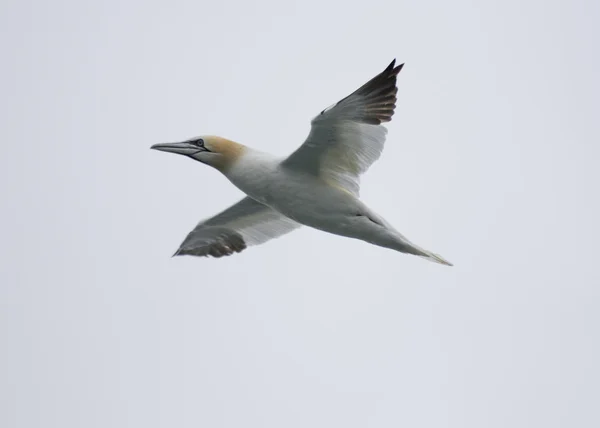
{"points": [[243, 224]]}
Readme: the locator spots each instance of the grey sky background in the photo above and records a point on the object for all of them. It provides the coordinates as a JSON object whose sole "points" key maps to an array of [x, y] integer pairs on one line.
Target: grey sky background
{"points": [[491, 161]]}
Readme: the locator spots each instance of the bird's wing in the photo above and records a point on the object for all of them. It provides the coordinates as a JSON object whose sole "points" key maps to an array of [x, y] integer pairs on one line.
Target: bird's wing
{"points": [[243, 224], [346, 138]]}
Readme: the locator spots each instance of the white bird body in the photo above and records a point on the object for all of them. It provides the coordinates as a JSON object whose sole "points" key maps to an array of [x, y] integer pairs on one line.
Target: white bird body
{"points": [[298, 196], [316, 186], [310, 201]]}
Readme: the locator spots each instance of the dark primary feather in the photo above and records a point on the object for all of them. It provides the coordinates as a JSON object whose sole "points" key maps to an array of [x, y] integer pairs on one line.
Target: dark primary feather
{"points": [[375, 101], [211, 241]]}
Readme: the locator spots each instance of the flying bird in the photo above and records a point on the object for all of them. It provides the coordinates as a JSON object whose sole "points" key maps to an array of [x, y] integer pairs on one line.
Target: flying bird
{"points": [[316, 186]]}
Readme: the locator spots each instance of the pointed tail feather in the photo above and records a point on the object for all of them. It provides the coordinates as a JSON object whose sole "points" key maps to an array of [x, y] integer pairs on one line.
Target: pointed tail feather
{"points": [[408, 247], [435, 258]]}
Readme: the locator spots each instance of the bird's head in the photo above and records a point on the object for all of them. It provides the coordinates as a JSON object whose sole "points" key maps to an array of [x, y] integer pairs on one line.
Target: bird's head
{"points": [[217, 152]]}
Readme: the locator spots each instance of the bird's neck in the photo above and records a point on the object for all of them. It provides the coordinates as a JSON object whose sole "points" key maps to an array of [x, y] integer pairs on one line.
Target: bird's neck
{"points": [[252, 170]]}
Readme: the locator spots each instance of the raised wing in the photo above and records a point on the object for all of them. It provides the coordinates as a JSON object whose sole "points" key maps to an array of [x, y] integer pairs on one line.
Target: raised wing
{"points": [[346, 138], [243, 224]]}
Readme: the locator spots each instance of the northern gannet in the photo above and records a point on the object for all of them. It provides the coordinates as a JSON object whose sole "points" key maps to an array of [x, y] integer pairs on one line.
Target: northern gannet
{"points": [[316, 186]]}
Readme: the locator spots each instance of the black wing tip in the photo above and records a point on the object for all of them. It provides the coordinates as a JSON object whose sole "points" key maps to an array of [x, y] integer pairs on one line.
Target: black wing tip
{"points": [[214, 251], [392, 69], [181, 252], [379, 96], [222, 246], [381, 92]]}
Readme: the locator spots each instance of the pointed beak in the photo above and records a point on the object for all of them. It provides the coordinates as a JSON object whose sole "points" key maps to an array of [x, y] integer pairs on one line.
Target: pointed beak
{"points": [[184, 148]]}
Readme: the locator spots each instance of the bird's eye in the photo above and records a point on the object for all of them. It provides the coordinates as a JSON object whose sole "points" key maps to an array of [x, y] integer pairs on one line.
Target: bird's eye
{"points": [[200, 142]]}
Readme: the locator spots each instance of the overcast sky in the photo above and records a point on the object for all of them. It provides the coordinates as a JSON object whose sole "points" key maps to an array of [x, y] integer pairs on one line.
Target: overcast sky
{"points": [[491, 161]]}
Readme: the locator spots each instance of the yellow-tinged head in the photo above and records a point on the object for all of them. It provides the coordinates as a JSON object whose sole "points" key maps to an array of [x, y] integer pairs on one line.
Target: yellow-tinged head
{"points": [[217, 152]]}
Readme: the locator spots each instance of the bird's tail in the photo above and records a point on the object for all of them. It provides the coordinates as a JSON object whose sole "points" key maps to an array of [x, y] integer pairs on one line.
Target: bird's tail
{"points": [[391, 238], [435, 258], [406, 246]]}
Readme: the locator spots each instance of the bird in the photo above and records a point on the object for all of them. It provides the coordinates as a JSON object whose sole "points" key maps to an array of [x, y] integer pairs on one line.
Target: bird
{"points": [[316, 186]]}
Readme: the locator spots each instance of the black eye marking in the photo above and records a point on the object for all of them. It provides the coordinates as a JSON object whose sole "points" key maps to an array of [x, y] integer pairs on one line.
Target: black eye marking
{"points": [[199, 142]]}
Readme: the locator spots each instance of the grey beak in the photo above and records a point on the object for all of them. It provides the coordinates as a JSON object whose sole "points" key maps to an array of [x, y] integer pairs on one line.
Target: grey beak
{"points": [[184, 148]]}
